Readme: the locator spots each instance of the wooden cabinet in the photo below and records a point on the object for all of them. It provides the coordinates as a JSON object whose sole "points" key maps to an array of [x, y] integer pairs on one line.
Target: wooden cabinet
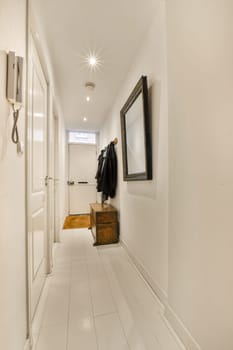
{"points": [[104, 224]]}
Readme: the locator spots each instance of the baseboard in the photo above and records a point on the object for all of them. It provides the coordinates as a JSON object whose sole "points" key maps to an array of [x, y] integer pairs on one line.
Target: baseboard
{"points": [[37, 318], [27, 345], [177, 328], [177, 325], [159, 292]]}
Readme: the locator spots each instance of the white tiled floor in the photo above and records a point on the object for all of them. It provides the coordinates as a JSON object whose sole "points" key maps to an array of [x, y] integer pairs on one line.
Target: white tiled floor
{"points": [[96, 300]]}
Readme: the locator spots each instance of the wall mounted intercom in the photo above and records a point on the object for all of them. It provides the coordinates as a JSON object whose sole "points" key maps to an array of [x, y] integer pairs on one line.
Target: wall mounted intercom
{"points": [[14, 92], [14, 79]]}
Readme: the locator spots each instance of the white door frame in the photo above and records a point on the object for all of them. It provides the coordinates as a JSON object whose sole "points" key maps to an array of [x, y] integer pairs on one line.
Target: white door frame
{"points": [[31, 47], [30, 36], [50, 181], [56, 164]]}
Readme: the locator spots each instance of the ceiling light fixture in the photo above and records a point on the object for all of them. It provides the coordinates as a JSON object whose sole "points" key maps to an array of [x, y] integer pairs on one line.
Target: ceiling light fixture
{"points": [[90, 85], [88, 98], [84, 119], [93, 61]]}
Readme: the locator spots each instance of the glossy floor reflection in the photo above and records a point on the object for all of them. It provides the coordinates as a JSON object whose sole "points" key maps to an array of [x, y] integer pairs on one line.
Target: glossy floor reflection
{"points": [[96, 300]]}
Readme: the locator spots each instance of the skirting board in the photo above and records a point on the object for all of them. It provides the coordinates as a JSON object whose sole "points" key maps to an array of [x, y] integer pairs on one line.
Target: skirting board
{"points": [[146, 276], [169, 316], [180, 329]]}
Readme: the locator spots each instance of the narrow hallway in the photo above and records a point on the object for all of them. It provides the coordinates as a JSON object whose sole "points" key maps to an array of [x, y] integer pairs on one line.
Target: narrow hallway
{"points": [[96, 299]]}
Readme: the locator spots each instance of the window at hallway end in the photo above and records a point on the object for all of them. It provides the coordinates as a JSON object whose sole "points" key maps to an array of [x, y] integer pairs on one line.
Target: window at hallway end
{"points": [[82, 137]]}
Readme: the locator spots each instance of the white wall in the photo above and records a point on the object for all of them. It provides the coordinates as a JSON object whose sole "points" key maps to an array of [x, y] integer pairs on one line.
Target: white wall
{"points": [[12, 193], [188, 257], [200, 72], [144, 204]]}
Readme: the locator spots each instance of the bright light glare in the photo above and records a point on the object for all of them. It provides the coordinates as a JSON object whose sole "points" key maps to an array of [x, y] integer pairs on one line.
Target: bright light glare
{"points": [[88, 98], [84, 119], [92, 61]]}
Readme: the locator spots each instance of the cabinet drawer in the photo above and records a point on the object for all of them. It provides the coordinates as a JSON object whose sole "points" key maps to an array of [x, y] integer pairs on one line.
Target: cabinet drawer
{"points": [[106, 217]]}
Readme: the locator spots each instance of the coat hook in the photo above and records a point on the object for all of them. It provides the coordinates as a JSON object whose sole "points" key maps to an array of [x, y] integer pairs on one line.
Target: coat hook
{"points": [[115, 141]]}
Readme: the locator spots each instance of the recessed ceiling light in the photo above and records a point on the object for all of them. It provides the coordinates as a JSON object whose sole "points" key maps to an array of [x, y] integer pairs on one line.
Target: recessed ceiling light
{"points": [[92, 60], [84, 119], [88, 98]]}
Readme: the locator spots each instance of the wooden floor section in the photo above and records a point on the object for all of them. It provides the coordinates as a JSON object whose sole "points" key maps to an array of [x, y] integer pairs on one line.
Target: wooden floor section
{"points": [[77, 221]]}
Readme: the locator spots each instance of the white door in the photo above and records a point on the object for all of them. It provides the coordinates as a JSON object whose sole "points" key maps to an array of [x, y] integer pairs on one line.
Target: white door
{"points": [[37, 170], [82, 170]]}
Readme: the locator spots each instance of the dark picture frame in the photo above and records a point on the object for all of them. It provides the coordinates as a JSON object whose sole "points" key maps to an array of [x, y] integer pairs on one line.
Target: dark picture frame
{"points": [[136, 134]]}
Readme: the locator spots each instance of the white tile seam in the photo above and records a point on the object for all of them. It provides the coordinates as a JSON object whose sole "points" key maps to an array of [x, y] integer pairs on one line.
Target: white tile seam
{"points": [[140, 274], [115, 275], [157, 300], [45, 290], [123, 292], [110, 287], [108, 282], [92, 304], [106, 313], [68, 311], [123, 329]]}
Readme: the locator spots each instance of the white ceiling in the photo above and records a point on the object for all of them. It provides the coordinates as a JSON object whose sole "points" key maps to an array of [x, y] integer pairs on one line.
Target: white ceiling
{"points": [[73, 29]]}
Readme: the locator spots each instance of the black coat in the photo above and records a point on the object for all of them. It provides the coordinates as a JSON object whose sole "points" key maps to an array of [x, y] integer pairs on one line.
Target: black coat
{"points": [[107, 172], [99, 171]]}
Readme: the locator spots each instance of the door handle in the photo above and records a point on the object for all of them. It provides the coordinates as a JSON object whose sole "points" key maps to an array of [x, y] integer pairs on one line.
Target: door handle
{"points": [[46, 180], [70, 183]]}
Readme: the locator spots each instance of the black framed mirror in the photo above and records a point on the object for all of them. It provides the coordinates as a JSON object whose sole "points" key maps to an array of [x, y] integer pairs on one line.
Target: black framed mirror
{"points": [[136, 134]]}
